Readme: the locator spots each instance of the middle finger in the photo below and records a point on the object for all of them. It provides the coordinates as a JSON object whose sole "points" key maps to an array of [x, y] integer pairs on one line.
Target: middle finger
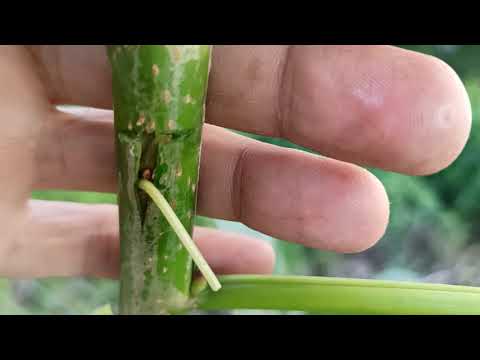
{"points": [[379, 106], [288, 194]]}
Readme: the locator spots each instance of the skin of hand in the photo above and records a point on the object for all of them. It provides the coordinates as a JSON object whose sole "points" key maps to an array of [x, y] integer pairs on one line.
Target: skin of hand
{"points": [[377, 106]]}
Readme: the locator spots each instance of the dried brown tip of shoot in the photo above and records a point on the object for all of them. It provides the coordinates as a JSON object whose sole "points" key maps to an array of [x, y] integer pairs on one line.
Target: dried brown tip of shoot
{"points": [[146, 174]]}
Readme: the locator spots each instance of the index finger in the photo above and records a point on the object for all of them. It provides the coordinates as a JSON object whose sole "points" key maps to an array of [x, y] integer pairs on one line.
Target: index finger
{"points": [[378, 106]]}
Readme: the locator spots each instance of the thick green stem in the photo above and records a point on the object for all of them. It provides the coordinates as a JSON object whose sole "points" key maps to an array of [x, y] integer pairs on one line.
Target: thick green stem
{"points": [[159, 96], [339, 296]]}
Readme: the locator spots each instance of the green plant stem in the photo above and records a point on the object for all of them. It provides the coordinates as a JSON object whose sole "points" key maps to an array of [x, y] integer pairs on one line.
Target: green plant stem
{"points": [[159, 94], [340, 296]]}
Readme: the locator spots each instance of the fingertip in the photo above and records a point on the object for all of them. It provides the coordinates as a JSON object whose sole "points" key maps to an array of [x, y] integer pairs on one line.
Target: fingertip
{"points": [[450, 120], [358, 218], [374, 218], [430, 117]]}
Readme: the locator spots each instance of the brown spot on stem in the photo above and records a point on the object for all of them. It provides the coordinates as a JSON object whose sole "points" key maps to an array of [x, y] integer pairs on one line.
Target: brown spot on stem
{"points": [[179, 171], [141, 120], [171, 124], [176, 54], [147, 174], [155, 70], [167, 97]]}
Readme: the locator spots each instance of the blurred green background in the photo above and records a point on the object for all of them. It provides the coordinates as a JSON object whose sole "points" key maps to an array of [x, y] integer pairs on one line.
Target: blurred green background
{"points": [[432, 237]]}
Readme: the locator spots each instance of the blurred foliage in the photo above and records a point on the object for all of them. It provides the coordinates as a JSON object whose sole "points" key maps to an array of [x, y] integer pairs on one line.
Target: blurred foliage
{"points": [[432, 236], [462, 58]]}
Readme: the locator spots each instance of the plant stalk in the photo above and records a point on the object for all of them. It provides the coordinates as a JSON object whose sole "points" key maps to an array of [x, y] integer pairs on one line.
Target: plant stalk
{"points": [[159, 94], [337, 296]]}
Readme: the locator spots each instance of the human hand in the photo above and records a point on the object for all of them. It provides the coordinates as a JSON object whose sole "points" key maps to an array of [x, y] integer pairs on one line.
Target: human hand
{"points": [[377, 106]]}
